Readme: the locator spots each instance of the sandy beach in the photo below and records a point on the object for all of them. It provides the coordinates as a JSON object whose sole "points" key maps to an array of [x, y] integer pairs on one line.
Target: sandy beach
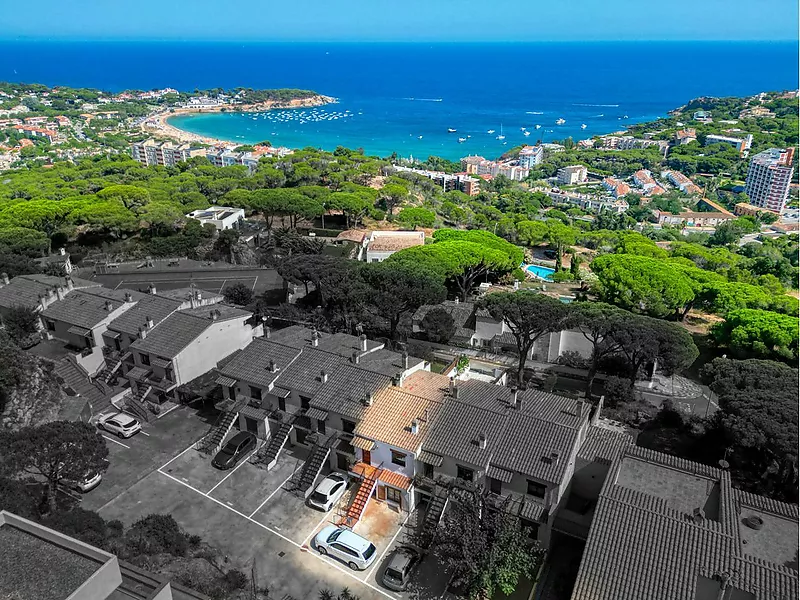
{"points": [[158, 123]]}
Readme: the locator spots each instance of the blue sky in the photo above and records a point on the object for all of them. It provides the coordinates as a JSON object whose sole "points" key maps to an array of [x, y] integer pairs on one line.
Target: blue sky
{"points": [[403, 20]]}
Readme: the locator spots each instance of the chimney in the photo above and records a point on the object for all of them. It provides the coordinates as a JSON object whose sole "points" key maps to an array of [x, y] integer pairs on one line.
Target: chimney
{"points": [[405, 360], [356, 358], [455, 391], [456, 299], [68, 283], [42, 302], [128, 297], [414, 426], [5, 278], [273, 368], [62, 251], [51, 293], [452, 386], [215, 315], [368, 399], [482, 441], [597, 410], [149, 322], [323, 376], [198, 295], [60, 292], [363, 339], [579, 409], [315, 339], [698, 515], [109, 306], [142, 333], [514, 398], [151, 288], [267, 332]]}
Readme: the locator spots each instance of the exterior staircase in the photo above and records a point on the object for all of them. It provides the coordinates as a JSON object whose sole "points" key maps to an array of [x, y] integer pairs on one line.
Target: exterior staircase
{"points": [[311, 469], [362, 497], [135, 403], [436, 508], [275, 445], [212, 441], [112, 365]]}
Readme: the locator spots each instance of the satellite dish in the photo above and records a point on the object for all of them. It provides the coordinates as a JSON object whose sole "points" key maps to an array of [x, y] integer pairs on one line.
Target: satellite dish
{"points": [[724, 464]]}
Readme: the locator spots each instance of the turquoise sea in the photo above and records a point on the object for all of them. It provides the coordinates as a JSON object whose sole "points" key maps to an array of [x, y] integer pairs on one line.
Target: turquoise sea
{"points": [[404, 97]]}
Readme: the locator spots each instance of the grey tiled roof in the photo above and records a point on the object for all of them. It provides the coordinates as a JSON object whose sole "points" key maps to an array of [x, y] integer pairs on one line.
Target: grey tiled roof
{"points": [[387, 362], [346, 390], [85, 308], [147, 305], [304, 375], [456, 429], [641, 547], [603, 444], [25, 289], [251, 365], [181, 328]]}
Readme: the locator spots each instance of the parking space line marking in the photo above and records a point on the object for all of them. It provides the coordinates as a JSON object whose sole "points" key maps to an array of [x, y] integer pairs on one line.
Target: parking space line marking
{"points": [[279, 488], [255, 281], [385, 550], [169, 410], [116, 442], [313, 531], [233, 470], [177, 457], [222, 286], [144, 433], [283, 537]]}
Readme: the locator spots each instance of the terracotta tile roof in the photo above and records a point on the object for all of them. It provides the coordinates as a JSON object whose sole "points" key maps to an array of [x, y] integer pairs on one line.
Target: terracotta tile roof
{"points": [[428, 385], [387, 243], [354, 235], [390, 417], [394, 479]]}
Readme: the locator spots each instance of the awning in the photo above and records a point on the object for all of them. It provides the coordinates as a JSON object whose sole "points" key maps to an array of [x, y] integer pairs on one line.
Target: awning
{"points": [[532, 511], [112, 335], [81, 331], [496, 472], [160, 362], [280, 392], [225, 381], [137, 373], [315, 413], [430, 458], [396, 480], [259, 414], [363, 443]]}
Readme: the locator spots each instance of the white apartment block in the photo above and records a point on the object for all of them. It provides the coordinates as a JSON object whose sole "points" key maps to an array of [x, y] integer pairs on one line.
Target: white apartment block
{"points": [[572, 175], [769, 177], [530, 156], [166, 154]]}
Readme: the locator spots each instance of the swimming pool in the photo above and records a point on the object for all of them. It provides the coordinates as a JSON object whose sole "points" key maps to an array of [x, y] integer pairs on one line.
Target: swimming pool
{"points": [[545, 273]]}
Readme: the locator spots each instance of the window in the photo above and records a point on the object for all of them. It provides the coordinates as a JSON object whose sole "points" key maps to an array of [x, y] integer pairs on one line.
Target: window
{"points": [[495, 486], [305, 403], [51, 325], [348, 426], [398, 458], [255, 393], [321, 426], [536, 489], [465, 473], [393, 495], [282, 404], [145, 359], [427, 470]]}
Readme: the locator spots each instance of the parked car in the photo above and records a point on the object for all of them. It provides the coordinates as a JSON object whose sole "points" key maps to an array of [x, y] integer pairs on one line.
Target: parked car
{"points": [[400, 568], [236, 448], [345, 545], [328, 492], [123, 425], [84, 485]]}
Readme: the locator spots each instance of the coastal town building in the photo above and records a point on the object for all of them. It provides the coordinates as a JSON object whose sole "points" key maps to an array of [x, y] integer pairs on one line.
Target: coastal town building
{"points": [[166, 154], [756, 112], [477, 165], [629, 142], [649, 186], [703, 116], [31, 131], [463, 182], [617, 188], [665, 527], [37, 292], [693, 219], [74, 569], [60, 260], [221, 217], [743, 209], [382, 244], [685, 136], [742, 145], [769, 178], [682, 182], [572, 175], [530, 156]]}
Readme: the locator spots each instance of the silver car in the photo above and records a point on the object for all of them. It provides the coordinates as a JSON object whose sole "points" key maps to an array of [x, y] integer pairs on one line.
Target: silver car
{"points": [[328, 492], [345, 545], [400, 568], [123, 425]]}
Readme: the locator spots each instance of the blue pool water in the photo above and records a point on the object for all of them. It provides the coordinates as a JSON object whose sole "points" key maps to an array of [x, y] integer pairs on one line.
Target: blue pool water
{"points": [[541, 272]]}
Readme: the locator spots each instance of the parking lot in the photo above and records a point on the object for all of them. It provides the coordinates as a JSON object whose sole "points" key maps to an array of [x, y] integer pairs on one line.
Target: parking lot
{"points": [[254, 519]]}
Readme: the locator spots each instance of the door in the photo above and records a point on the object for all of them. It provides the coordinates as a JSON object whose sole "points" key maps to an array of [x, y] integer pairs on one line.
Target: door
{"points": [[251, 425], [366, 456]]}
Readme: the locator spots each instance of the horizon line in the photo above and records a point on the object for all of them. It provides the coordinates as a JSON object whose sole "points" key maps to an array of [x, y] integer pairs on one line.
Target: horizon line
{"points": [[389, 41]]}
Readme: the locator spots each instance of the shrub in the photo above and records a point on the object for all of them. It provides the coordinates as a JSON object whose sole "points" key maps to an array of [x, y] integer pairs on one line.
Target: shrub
{"points": [[571, 358], [239, 294], [439, 325], [618, 391], [562, 276], [157, 534]]}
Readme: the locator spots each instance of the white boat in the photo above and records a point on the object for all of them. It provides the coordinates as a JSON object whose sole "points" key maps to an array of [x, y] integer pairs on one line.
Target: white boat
{"points": [[624, 116], [538, 126], [490, 132], [419, 138], [450, 130], [583, 125], [526, 133], [462, 140], [560, 121], [522, 128], [501, 136]]}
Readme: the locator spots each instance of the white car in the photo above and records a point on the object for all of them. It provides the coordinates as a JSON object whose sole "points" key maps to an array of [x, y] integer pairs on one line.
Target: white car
{"points": [[328, 492], [123, 425], [345, 545], [86, 484]]}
